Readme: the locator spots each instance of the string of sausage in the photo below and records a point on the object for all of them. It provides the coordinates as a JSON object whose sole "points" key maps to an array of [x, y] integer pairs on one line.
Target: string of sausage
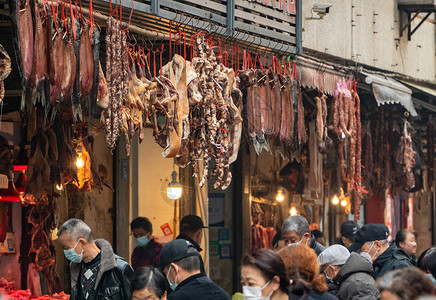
{"points": [[346, 120]]}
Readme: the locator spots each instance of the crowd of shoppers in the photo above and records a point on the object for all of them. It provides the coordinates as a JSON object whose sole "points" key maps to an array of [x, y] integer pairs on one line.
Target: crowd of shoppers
{"points": [[362, 265]]}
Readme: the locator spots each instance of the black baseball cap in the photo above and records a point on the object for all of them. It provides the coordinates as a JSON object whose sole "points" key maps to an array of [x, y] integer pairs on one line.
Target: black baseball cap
{"points": [[191, 223], [369, 233], [349, 230], [176, 250]]}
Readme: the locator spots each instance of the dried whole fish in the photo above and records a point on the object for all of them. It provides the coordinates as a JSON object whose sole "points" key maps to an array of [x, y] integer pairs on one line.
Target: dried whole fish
{"points": [[56, 67], [76, 94], [22, 28], [69, 65]]}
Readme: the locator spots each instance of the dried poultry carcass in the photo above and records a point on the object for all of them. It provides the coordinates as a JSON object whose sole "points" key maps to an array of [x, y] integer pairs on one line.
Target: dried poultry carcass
{"points": [[5, 70], [165, 100], [42, 219], [38, 170], [176, 69]]}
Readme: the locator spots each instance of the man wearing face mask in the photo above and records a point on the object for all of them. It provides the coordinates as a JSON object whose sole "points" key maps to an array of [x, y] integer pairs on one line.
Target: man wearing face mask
{"points": [[147, 253], [352, 273], [180, 262], [295, 230], [95, 271], [371, 240]]}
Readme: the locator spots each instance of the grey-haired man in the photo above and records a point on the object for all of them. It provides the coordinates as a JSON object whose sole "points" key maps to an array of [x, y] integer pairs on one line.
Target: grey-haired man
{"points": [[96, 272], [295, 230]]}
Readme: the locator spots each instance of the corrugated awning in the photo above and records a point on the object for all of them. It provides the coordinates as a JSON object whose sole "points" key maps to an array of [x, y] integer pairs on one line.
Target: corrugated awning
{"points": [[425, 90], [389, 91]]}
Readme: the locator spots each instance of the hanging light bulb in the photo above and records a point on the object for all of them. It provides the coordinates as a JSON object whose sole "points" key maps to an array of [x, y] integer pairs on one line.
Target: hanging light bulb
{"points": [[280, 197], [293, 211], [80, 163], [59, 187], [174, 189], [335, 200], [344, 202]]}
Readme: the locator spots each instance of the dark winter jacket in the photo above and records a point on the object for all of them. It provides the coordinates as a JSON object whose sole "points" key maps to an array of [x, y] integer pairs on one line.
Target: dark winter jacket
{"points": [[392, 259], [313, 295], [198, 287], [355, 279], [113, 277], [146, 256], [316, 246], [185, 237]]}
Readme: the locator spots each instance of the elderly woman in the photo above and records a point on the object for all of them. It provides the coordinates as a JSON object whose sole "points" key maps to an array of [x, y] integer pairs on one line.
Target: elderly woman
{"points": [[405, 284], [263, 276], [149, 284], [302, 268]]}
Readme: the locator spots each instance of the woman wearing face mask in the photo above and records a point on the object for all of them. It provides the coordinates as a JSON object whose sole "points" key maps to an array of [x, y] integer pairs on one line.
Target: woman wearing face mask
{"points": [[303, 270], [406, 240], [147, 253], [427, 263], [149, 284], [263, 276]]}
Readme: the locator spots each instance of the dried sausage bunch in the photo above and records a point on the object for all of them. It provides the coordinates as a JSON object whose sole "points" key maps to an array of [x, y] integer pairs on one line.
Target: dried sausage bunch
{"points": [[347, 125]]}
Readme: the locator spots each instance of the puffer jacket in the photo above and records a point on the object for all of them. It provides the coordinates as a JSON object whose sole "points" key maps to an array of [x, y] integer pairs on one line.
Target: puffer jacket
{"points": [[113, 277], [355, 279], [392, 259], [317, 247]]}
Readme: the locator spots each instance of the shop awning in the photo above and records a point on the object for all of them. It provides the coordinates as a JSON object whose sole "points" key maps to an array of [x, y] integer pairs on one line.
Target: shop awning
{"points": [[425, 90], [389, 91]]}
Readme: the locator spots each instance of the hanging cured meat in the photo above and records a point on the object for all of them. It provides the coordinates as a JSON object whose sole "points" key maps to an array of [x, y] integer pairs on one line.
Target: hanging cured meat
{"points": [[22, 28], [5, 70], [347, 125]]}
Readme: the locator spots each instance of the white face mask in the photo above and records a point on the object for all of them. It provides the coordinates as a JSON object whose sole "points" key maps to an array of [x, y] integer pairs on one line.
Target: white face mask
{"points": [[326, 276], [367, 256], [255, 292], [297, 243]]}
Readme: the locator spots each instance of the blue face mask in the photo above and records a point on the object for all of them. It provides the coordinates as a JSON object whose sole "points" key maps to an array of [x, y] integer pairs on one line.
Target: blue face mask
{"points": [[72, 256], [174, 285], [429, 275], [142, 241]]}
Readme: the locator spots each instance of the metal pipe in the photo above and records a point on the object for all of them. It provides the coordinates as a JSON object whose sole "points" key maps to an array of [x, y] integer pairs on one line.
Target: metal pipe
{"points": [[132, 28]]}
